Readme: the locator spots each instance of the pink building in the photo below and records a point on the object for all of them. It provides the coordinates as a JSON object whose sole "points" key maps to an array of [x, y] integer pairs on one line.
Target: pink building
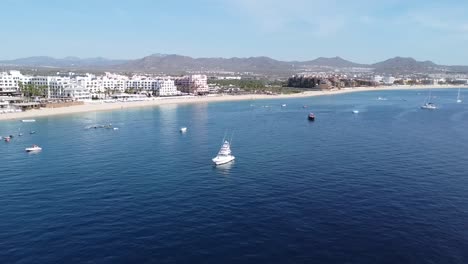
{"points": [[193, 84]]}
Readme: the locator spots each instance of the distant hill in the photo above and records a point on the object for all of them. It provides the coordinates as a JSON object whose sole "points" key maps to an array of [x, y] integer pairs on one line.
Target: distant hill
{"points": [[406, 65], [335, 62], [173, 63], [178, 63]]}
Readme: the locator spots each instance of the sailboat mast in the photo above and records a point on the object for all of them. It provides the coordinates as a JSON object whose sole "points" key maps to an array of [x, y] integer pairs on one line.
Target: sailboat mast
{"points": [[224, 138], [230, 141]]}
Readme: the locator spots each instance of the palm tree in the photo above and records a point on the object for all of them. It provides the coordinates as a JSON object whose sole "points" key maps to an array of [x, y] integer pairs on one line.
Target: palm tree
{"points": [[21, 87]]}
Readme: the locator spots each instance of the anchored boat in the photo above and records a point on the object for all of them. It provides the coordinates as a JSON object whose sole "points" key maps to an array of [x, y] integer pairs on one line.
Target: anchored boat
{"points": [[34, 148]]}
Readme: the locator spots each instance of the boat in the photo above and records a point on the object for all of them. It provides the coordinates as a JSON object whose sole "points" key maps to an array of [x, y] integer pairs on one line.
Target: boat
{"points": [[28, 120], [32, 132], [7, 139], [428, 105], [183, 129], [304, 106], [459, 100], [224, 155], [283, 105], [381, 98], [355, 111], [311, 117], [20, 134], [34, 148]]}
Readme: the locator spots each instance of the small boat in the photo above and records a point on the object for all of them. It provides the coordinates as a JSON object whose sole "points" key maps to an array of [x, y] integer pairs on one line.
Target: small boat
{"points": [[183, 129], [34, 148], [32, 132], [116, 128], [429, 106], [311, 117], [224, 155], [355, 111], [283, 105], [7, 139], [427, 102], [20, 134], [382, 98], [28, 120], [304, 106]]}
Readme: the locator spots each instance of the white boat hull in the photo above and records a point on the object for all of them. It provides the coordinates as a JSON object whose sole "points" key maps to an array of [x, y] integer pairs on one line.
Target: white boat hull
{"points": [[428, 107], [33, 149], [218, 160]]}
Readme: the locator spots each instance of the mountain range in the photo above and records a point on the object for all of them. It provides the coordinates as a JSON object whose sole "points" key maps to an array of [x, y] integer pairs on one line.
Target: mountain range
{"points": [[173, 63]]}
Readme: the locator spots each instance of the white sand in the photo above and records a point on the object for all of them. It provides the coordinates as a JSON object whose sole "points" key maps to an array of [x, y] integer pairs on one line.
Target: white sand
{"points": [[92, 107]]}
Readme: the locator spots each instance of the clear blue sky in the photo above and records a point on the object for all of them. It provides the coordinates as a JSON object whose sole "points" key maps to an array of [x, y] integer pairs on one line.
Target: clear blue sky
{"points": [[360, 30]]}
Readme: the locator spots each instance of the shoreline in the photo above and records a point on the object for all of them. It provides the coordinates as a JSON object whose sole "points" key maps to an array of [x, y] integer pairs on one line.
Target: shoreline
{"points": [[95, 107]]}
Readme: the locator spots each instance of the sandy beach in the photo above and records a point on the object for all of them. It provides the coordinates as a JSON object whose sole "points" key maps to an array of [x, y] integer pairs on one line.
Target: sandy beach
{"points": [[101, 106]]}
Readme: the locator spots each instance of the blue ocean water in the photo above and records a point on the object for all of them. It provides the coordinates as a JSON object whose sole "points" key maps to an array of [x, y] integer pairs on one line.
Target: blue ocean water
{"points": [[387, 185]]}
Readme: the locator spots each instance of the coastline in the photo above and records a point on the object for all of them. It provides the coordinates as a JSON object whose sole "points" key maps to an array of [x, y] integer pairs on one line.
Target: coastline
{"points": [[94, 107]]}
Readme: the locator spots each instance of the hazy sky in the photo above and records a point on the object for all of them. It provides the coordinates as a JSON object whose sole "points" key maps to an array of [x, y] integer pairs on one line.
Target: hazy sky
{"points": [[364, 31]]}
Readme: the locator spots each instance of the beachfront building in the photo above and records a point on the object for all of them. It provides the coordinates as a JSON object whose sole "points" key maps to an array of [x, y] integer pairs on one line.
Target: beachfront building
{"points": [[193, 84], [84, 86], [114, 83], [165, 87], [141, 84], [102, 86], [77, 92], [9, 82], [57, 86], [388, 80], [378, 78]]}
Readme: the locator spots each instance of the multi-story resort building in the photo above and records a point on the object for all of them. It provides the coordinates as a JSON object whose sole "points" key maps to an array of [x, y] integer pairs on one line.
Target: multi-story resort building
{"points": [[89, 86], [9, 82], [165, 87], [193, 84]]}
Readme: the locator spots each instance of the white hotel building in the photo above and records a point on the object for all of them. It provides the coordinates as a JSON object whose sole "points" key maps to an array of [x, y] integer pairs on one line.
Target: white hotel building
{"points": [[165, 87], [9, 82], [88, 86]]}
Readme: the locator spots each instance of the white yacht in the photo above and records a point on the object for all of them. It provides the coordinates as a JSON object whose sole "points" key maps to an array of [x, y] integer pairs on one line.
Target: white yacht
{"points": [[355, 111], [34, 148], [224, 154], [28, 120], [183, 129]]}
